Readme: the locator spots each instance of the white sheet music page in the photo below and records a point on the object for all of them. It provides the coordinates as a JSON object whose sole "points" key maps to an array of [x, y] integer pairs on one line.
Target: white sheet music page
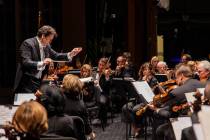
{"points": [[21, 97], [203, 116], [198, 131], [201, 90], [189, 96], [179, 124], [144, 89]]}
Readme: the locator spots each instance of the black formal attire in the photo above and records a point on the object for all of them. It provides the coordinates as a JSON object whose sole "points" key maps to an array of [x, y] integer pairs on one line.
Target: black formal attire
{"points": [[28, 77], [178, 96], [64, 125], [76, 107]]}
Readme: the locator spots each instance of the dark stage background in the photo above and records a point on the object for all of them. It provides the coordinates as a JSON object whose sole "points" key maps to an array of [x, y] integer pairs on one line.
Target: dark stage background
{"points": [[128, 25]]}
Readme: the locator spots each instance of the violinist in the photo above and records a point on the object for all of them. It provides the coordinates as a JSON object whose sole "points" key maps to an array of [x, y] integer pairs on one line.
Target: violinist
{"points": [[129, 111], [146, 73], [153, 62], [188, 133], [123, 69], [203, 69], [186, 85], [102, 83], [91, 93]]}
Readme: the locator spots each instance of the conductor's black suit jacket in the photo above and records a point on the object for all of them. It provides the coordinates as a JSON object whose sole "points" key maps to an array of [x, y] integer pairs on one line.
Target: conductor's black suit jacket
{"points": [[29, 58]]}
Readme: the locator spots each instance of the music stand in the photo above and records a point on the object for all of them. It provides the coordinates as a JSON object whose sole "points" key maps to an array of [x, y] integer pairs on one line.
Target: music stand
{"points": [[147, 95], [161, 77], [124, 88]]}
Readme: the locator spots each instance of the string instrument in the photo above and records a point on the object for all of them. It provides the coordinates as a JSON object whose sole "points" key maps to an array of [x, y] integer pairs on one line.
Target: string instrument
{"points": [[196, 104], [63, 70], [165, 88]]}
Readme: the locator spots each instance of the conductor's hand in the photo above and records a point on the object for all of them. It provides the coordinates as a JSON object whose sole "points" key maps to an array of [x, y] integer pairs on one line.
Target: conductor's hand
{"points": [[75, 51], [47, 61]]}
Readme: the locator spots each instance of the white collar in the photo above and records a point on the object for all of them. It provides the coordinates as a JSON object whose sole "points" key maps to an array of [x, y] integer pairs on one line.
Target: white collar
{"points": [[40, 44]]}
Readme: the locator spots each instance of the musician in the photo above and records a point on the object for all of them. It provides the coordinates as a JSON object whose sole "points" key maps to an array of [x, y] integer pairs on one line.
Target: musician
{"points": [[186, 85], [193, 66], [185, 58], [28, 123], [102, 82], [146, 73], [122, 70], [35, 55], [188, 133], [59, 123], [72, 88], [153, 62], [129, 110], [203, 69]]}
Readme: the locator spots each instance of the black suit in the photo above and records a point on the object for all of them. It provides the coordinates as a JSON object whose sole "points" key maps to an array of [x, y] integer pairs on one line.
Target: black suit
{"points": [[25, 80], [190, 85], [74, 106]]}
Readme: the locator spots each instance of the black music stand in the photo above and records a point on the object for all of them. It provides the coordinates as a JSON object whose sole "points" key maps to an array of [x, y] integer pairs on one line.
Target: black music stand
{"points": [[125, 89], [161, 77], [145, 92]]}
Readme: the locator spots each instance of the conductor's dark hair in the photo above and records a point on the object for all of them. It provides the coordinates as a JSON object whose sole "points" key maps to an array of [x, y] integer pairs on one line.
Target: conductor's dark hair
{"points": [[52, 99], [46, 30]]}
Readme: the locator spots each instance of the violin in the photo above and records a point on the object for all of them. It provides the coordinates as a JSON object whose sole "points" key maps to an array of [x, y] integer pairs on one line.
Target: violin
{"points": [[196, 104], [165, 88]]}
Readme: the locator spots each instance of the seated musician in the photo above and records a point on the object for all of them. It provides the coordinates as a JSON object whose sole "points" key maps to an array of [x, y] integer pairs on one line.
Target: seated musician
{"points": [[72, 88], [153, 62], [193, 66], [162, 68], [203, 69], [102, 82], [28, 123], [188, 133], [185, 58], [186, 85], [51, 75], [59, 123], [145, 74], [123, 69]]}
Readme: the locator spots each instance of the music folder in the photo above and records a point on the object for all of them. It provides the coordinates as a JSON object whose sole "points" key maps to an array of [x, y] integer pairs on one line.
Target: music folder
{"points": [[22, 97], [144, 89]]}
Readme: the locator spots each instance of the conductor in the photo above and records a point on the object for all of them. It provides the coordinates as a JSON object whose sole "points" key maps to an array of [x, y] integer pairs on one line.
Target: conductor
{"points": [[35, 56]]}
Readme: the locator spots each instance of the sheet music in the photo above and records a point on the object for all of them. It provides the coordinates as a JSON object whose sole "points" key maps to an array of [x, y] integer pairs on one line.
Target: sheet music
{"points": [[201, 90], [189, 96], [204, 121], [6, 113], [21, 97], [144, 89], [205, 108], [179, 124], [86, 80], [198, 131]]}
